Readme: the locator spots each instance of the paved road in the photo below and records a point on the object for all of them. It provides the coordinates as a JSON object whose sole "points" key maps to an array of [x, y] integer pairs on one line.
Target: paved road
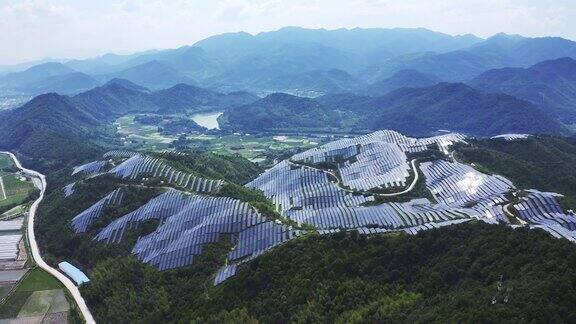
{"points": [[34, 246], [3, 189], [339, 183], [510, 214]]}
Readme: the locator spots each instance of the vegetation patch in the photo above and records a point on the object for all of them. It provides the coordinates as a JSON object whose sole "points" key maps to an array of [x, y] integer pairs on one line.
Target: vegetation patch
{"points": [[452, 272], [544, 163]]}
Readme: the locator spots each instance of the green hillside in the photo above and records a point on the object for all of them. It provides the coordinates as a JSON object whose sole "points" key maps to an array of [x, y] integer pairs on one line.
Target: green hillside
{"points": [[544, 163], [449, 274]]}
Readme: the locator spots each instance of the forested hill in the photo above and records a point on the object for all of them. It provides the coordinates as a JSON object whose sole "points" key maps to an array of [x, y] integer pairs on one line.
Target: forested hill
{"points": [[51, 130], [119, 97], [457, 107], [448, 274], [551, 85], [414, 111], [544, 163], [49, 125]]}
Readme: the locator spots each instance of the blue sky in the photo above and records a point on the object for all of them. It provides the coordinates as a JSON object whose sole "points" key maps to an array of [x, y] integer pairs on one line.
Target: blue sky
{"points": [[34, 29]]}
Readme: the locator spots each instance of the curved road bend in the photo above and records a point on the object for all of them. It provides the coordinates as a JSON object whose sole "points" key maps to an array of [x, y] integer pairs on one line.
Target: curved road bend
{"points": [[340, 185], [34, 246]]}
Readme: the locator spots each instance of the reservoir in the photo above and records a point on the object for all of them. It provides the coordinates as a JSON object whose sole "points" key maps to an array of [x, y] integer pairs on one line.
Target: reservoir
{"points": [[208, 120]]}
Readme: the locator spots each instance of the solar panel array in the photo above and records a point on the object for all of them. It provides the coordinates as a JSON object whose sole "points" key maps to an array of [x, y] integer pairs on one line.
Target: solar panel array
{"points": [[373, 160], [224, 273], [69, 189], [120, 154], [443, 141], [388, 215], [190, 221], [409, 230], [457, 184], [82, 221], [495, 215], [89, 168], [377, 164], [543, 209], [511, 137], [407, 144], [139, 166], [297, 187]]}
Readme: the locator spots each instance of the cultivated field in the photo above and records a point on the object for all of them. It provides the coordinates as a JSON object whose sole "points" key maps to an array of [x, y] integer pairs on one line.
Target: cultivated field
{"points": [[14, 188], [145, 137], [38, 298]]}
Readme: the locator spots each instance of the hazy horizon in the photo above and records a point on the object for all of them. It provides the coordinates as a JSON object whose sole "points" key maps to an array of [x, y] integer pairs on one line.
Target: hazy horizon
{"points": [[66, 29]]}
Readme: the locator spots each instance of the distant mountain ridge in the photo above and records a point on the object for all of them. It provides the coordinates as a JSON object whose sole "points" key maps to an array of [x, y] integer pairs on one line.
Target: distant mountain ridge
{"points": [[297, 60], [459, 108], [402, 79], [550, 85], [415, 111], [464, 64], [154, 75]]}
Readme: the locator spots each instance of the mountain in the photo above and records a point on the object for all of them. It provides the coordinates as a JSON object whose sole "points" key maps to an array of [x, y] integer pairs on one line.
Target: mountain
{"points": [[153, 75], [464, 64], [242, 61], [291, 58], [550, 85], [402, 79], [35, 73], [518, 51], [318, 81], [458, 108], [118, 97], [453, 66], [182, 97], [50, 127], [47, 77], [70, 83], [257, 70], [373, 42], [279, 111], [414, 111]]}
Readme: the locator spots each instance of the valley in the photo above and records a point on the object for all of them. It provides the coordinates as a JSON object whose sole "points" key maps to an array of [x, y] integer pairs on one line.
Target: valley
{"points": [[296, 175]]}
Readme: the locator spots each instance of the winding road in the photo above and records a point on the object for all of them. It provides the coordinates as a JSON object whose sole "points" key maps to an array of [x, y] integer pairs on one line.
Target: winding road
{"points": [[341, 186], [34, 246]]}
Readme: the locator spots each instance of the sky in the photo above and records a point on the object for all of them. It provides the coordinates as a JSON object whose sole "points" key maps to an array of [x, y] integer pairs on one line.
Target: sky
{"points": [[36, 29]]}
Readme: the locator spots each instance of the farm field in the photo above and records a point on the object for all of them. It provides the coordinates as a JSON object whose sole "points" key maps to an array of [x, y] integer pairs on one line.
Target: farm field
{"points": [[38, 298], [253, 147], [14, 188]]}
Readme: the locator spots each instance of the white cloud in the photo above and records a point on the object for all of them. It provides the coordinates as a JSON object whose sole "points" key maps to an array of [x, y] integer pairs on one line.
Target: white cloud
{"points": [[31, 29]]}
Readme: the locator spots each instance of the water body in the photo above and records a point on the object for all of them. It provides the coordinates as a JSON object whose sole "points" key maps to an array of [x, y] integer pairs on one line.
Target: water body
{"points": [[208, 120]]}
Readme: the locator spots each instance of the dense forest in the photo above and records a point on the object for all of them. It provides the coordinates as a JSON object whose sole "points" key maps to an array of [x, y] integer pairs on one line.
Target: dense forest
{"points": [[545, 163], [467, 273], [411, 111]]}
